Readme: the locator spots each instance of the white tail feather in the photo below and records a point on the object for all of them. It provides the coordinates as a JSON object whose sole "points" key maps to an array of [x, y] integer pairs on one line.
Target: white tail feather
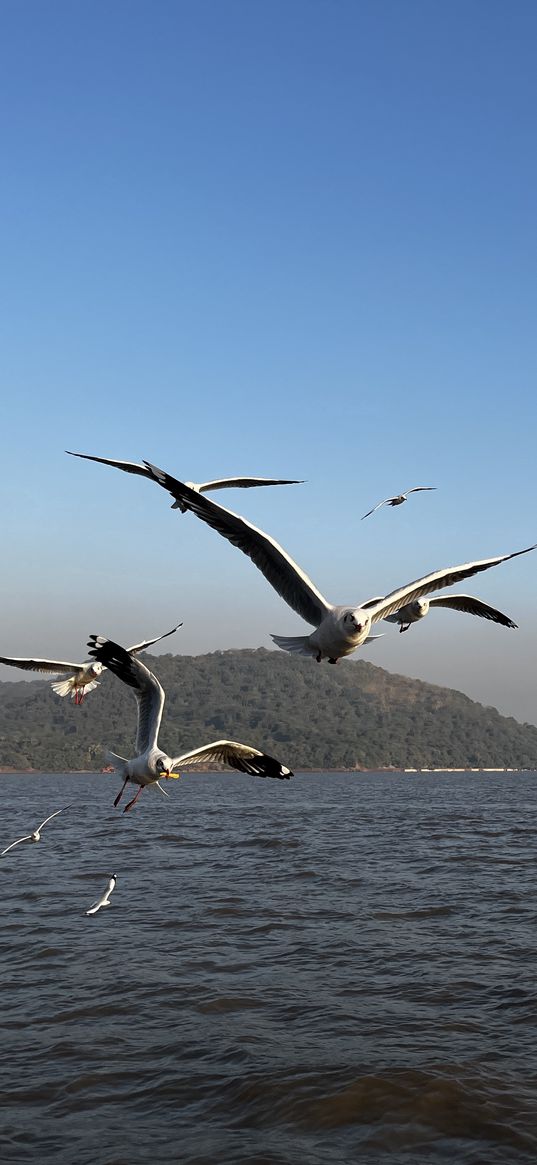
{"points": [[296, 643], [63, 687], [119, 762]]}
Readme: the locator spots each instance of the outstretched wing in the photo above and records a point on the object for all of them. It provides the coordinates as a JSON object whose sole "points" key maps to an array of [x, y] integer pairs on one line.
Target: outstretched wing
{"points": [[377, 507], [419, 489], [97, 905], [27, 837], [149, 642], [45, 665], [277, 566], [127, 466], [39, 827], [147, 690], [435, 582], [472, 606], [243, 483], [238, 756], [219, 483]]}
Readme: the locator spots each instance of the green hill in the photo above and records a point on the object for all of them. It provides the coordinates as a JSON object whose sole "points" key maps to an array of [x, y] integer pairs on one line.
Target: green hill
{"points": [[354, 715]]}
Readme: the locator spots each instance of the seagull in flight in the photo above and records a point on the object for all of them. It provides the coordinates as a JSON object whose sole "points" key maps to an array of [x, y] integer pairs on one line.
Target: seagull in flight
{"points": [[84, 675], [104, 900], [339, 630], [36, 833], [199, 487], [419, 608], [398, 499], [151, 763]]}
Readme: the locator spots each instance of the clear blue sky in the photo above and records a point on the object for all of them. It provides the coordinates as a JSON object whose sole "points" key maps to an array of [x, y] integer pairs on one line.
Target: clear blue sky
{"points": [[287, 238]]}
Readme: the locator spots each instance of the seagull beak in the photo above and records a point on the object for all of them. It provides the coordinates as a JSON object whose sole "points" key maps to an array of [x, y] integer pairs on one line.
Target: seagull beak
{"points": [[172, 776]]}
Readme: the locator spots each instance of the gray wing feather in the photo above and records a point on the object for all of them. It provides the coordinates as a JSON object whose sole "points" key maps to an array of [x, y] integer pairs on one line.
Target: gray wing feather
{"points": [[436, 581], [419, 489], [127, 466], [244, 483], [472, 606], [277, 566], [44, 665]]}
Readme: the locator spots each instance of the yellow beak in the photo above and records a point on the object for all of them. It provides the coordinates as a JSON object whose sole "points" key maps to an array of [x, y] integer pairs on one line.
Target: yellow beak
{"points": [[173, 776]]}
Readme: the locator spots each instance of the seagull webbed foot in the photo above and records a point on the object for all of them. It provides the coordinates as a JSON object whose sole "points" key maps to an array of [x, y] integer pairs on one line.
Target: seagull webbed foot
{"points": [[121, 792], [134, 800]]}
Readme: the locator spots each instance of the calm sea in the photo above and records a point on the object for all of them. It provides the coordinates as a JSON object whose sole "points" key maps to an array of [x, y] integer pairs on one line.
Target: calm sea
{"points": [[339, 968]]}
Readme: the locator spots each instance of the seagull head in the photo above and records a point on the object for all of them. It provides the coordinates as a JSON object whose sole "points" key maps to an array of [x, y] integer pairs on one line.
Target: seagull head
{"points": [[96, 668], [163, 766], [356, 623]]}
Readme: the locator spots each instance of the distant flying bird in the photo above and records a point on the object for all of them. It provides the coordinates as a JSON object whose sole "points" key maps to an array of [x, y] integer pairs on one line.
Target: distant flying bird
{"points": [[151, 763], [203, 487], [36, 834], [419, 608], [398, 499], [104, 899], [84, 677], [339, 630]]}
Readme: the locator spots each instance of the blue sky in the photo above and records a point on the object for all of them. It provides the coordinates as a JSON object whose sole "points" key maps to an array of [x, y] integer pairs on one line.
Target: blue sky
{"points": [[288, 239]]}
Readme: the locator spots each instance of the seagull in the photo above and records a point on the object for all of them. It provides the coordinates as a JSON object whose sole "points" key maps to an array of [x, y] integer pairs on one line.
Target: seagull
{"points": [[84, 677], [150, 762], [398, 499], [104, 900], [419, 608], [199, 487], [36, 834], [339, 630]]}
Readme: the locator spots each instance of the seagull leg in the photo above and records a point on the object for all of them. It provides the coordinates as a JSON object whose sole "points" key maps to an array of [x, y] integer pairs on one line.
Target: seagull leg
{"points": [[402, 628], [318, 657], [332, 660], [134, 800], [121, 792]]}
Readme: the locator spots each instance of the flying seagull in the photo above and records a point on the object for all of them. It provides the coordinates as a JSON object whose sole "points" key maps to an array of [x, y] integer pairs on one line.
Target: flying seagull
{"points": [[36, 834], [199, 487], [104, 900], [339, 630], [84, 675], [150, 762], [419, 608], [398, 499]]}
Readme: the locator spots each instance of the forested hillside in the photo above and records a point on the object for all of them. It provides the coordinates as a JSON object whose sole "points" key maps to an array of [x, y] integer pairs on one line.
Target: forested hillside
{"points": [[355, 715]]}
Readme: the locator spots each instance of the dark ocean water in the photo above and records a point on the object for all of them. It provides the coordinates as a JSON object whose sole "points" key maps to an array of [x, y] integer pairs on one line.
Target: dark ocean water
{"points": [[342, 968]]}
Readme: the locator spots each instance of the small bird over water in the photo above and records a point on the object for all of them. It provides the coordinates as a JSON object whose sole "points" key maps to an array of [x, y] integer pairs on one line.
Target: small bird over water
{"points": [[398, 499], [36, 834], [104, 899]]}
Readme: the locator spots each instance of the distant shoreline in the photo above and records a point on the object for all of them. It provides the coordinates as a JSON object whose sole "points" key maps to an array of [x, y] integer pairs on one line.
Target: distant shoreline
{"points": [[7, 771]]}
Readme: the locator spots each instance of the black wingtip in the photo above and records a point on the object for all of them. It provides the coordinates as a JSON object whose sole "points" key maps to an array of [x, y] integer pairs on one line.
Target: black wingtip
{"points": [[267, 766]]}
